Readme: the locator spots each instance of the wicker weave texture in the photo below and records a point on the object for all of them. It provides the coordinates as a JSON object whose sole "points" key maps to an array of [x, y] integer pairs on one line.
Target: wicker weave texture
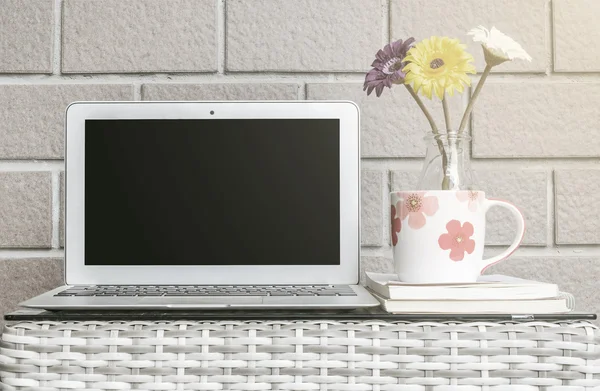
{"points": [[300, 355]]}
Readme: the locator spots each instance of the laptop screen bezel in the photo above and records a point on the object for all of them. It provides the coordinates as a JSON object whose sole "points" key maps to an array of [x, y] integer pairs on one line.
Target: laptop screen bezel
{"points": [[347, 272]]}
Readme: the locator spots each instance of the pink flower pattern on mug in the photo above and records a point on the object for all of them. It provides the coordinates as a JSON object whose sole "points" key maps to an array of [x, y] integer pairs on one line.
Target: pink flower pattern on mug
{"points": [[458, 239], [472, 197], [415, 206], [396, 226]]}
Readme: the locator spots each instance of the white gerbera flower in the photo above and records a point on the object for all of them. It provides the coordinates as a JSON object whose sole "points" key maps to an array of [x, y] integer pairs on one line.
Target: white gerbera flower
{"points": [[500, 47]]}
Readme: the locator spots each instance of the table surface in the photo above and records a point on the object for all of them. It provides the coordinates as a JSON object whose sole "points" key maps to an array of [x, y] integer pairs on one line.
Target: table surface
{"points": [[30, 314]]}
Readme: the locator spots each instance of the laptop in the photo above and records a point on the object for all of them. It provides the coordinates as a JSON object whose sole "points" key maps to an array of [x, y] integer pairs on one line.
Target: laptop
{"points": [[211, 205]]}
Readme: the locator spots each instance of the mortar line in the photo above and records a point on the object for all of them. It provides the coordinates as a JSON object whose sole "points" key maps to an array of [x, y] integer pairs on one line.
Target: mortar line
{"points": [[375, 163], [31, 165], [57, 38], [137, 91], [14, 253], [221, 36], [379, 251], [493, 164], [549, 33], [527, 251], [302, 91], [552, 230], [56, 201], [572, 78], [386, 25], [545, 160], [387, 215], [37, 79]]}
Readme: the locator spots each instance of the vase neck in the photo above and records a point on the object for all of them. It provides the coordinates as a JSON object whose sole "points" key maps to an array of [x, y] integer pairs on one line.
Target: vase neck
{"points": [[447, 165]]}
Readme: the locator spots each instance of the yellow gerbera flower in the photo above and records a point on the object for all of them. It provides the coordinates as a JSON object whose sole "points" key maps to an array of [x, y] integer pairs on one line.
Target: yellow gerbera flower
{"points": [[438, 64]]}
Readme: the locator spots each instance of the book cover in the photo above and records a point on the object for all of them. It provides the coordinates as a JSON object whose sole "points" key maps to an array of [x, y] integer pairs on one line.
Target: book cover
{"points": [[488, 287]]}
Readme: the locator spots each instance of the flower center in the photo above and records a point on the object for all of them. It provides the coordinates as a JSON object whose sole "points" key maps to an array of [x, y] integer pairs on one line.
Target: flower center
{"points": [[413, 203], [393, 65], [473, 195], [459, 239], [437, 63]]}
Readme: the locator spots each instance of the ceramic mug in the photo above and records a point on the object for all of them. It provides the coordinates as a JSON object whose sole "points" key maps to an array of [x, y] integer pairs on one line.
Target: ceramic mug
{"points": [[438, 236]]}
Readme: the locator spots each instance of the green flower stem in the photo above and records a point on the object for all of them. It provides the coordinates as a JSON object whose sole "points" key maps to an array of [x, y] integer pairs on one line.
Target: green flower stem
{"points": [[465, 118], [454, 177], [446, 113], [446, 180], [435, 131], [412, 92]]}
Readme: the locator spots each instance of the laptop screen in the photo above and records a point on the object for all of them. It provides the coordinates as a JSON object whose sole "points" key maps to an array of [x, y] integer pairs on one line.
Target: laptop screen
{"points": [[212, 192]]}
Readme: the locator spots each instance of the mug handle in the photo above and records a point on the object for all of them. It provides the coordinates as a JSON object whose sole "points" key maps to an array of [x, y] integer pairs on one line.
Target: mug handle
{"points": [[490, 202]]}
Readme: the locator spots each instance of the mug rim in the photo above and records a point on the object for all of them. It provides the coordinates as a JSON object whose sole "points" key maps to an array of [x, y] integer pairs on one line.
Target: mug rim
{"points": [[434, 192]]}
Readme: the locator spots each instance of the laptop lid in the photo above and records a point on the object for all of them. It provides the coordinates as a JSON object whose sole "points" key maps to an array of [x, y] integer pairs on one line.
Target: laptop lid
{"points": [[212, 193]]}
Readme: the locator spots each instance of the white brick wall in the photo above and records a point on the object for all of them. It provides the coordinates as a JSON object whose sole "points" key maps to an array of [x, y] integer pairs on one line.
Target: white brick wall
{"points": [[535, 130]]}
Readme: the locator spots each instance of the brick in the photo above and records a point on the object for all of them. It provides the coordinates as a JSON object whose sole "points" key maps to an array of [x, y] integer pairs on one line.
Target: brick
{"points": [[527, 189], [537, 120], [577, 195], [113, 36], [303, 35], [524, 21], [22, 279], [375, 264], [26, 36], [61, 217], [576, 35], [221, 91], [26, 209], [391, 125], [32, 116], [404, 180], [576, 275], [371, 213]]}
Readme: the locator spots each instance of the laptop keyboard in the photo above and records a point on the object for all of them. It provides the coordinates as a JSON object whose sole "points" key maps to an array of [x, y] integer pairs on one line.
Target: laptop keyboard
{"points": [[209, 290]]}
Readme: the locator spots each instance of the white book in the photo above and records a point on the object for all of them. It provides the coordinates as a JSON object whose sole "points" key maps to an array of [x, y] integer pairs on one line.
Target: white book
{"points": [[558, 305], [487, 287]]}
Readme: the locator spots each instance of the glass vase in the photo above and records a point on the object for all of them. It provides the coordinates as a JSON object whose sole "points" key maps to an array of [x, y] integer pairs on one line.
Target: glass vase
{"points": [[447, 165]]}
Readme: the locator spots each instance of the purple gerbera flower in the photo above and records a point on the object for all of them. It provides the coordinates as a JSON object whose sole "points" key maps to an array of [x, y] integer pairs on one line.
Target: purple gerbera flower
{"points": [[387, 67]]}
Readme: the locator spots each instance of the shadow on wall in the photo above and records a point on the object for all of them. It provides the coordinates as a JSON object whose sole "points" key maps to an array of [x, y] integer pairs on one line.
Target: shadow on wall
{"points": [[21, 279]]}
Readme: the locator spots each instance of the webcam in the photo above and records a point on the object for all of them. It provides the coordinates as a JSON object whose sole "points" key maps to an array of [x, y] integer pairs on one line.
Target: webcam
{"points": [[212, 112]]}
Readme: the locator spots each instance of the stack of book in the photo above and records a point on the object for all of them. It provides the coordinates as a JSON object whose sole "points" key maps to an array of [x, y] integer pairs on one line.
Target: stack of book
{"points": [[490, 294]]}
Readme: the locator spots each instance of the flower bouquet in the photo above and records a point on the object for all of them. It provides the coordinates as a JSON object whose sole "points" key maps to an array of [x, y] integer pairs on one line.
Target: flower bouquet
{"points": [[438, 231], [439, 67]]}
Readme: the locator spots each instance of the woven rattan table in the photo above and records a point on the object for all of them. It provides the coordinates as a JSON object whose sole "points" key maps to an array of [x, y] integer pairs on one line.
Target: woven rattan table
{"points": [[325, 354]]}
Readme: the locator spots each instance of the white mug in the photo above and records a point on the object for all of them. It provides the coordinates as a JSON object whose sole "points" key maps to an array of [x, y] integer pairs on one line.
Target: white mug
{"points": [[438, 236]]}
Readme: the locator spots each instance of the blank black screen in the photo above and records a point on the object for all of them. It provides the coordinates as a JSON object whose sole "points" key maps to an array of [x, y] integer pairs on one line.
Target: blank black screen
{"points": [[212, 192]]}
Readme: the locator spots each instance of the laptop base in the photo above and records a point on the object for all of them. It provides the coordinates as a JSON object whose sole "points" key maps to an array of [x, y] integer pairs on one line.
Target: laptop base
{"points": [[35, 314], [50, 301]]}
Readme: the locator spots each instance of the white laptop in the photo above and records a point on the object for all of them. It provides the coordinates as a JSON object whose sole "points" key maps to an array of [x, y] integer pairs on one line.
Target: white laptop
{"points": [[211, 205]]}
